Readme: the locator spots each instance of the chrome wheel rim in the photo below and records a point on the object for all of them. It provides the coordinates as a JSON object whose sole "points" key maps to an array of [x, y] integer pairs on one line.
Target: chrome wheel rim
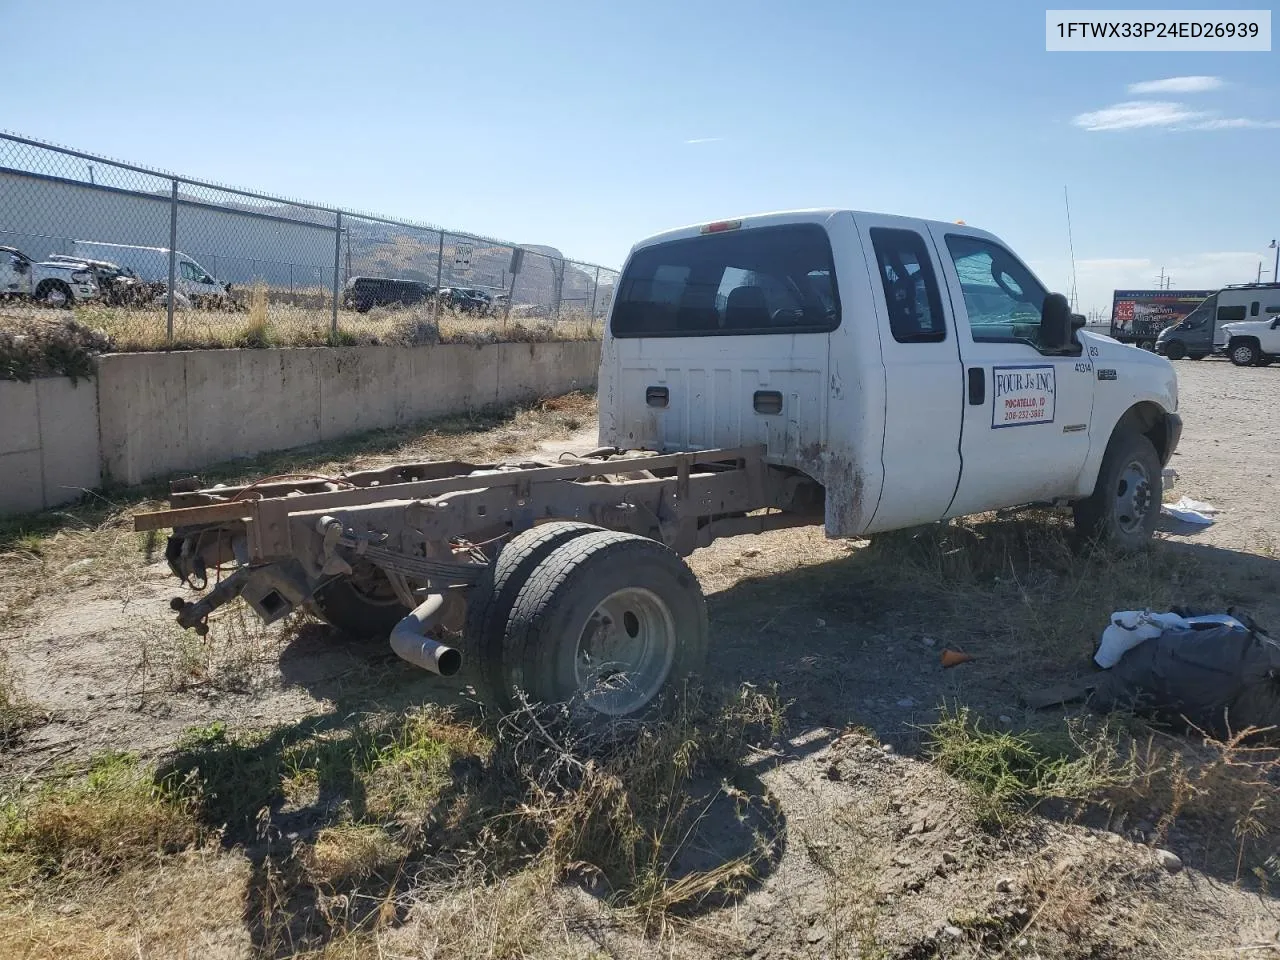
{"points": [[1242, 354], [55, 297], [1132, 497], [625, 651]]}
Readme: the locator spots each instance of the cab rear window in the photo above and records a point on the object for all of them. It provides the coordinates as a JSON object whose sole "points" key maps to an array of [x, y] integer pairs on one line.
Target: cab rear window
{"points": [[757, 280]]}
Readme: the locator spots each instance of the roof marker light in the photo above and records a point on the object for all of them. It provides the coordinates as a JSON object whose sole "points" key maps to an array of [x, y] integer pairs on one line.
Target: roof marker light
{"points": [[720, 226]]}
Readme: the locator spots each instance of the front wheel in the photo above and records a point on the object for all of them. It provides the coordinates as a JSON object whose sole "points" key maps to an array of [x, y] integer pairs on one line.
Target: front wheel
{"points": [[54, 293], [605, 620], [1174, 350], [1125, 504], [1244, 353]]}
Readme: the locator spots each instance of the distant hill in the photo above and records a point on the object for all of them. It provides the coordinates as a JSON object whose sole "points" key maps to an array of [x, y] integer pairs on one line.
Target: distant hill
{"points": [[387, 251]]}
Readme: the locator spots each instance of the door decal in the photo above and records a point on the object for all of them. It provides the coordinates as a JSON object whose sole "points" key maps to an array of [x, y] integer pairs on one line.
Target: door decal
{"points": [[1023, 395]]}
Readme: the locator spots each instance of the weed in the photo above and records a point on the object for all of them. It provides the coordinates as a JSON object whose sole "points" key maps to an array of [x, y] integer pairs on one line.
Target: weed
{"points": [[94, 824], [15, 711], [1006, 771]]}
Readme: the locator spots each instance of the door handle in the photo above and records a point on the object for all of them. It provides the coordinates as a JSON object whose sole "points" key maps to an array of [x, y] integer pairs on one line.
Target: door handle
{"points": [[768, 402], [657, 396], [977, 386]]}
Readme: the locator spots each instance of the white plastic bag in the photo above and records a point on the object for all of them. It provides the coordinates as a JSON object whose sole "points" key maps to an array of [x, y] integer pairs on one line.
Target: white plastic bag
{"points": [[1190, 511]]}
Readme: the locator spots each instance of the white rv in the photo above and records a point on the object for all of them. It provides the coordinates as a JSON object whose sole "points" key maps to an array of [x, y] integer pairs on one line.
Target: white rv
{"points": [[152, 264]]}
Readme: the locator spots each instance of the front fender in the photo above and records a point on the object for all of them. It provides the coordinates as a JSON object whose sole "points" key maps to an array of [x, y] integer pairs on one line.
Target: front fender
{"points": [[1130, 385]]}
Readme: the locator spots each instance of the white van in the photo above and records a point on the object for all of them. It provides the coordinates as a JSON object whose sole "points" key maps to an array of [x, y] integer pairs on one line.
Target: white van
{"points": [[152, 264]]}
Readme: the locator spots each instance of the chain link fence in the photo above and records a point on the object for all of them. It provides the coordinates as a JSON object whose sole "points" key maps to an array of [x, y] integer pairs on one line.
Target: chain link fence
{"points": [[161, 260]]}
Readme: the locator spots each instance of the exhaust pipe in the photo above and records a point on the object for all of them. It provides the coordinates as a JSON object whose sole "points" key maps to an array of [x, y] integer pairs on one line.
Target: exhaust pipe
{"points": [[409, 640]]}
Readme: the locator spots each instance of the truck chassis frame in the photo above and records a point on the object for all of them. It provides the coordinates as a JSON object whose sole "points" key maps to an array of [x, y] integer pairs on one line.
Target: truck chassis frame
{"points": [[413, 547]]}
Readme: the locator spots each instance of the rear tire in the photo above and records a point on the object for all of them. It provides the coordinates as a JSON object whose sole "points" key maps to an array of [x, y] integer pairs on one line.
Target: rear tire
{"points": [[1243, 353], [490, 601], [606, 619], [1125, 505], [363, 605]]}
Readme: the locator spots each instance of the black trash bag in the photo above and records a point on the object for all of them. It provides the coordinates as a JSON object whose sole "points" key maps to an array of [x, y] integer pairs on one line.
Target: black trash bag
{"points": [[1221, 679]]}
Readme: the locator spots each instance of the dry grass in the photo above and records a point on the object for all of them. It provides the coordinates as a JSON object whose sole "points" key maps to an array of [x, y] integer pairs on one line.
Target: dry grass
{"points": [[15, 711], [415, 828], [265, 324], [112, 817]]}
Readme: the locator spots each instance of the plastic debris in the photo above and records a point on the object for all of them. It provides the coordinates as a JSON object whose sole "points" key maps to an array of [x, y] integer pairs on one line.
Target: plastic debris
{"points": [[1190, 511], [953, 658]]}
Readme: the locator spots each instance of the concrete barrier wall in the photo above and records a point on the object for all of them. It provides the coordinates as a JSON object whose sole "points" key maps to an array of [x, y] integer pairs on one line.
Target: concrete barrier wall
{"points": [[163, 414], [48, 443]]}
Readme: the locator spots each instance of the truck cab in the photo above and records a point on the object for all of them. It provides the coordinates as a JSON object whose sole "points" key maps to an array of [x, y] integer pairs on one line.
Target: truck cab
{"points": [[918, 370]]}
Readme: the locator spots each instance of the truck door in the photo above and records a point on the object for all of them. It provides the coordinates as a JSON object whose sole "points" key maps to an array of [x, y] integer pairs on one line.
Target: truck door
{"points": [[1027, 410], [924, 387], [15, 274]]}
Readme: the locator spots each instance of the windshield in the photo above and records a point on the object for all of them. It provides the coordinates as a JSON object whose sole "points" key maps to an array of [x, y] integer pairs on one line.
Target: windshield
{"points": [[755, 280], [1200, 315]]}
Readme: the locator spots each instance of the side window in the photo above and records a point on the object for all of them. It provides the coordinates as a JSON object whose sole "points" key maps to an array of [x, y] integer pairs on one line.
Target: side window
{"points": [[1230, 314], [1001, 296], [910, 287], [1253, 308], [188, 271]]}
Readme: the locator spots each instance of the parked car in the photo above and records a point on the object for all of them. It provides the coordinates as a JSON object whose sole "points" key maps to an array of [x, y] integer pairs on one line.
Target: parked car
{"points": [[1253, 343], [119, 286], [56, 283], [362, 294], [193, 283], [467, 300]]}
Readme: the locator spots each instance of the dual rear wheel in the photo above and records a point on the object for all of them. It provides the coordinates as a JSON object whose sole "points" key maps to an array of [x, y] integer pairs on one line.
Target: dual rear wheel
{"points": [[566, 612]]}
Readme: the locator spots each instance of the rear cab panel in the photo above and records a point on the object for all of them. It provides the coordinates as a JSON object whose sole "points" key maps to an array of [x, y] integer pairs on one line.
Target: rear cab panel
{"points": [[744, 332]]}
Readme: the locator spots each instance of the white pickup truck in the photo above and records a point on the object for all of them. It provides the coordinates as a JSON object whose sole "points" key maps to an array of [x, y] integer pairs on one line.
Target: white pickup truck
{"points": [[861, 371], [1253, 343], [917, 369], [58, 284]]}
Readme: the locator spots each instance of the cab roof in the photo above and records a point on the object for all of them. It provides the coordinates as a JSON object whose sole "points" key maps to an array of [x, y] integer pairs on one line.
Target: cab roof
{"points": [[814, 215]]}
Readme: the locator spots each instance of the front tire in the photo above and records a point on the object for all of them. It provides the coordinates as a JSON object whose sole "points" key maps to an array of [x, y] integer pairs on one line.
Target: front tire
{"points": [[1175, 350], [1125, 505], [54, 293], [1244, 353], [606, 619]]}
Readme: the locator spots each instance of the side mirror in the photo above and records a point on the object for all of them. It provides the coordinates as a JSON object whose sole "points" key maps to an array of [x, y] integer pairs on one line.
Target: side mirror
{"points": [[1275, 323], [1057, 323]]}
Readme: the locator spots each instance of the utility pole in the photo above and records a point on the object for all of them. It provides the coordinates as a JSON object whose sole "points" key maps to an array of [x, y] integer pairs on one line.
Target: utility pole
{"points": [[1275, 271]]}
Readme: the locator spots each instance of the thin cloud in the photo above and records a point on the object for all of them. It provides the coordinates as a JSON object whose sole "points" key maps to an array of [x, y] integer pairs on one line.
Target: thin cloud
{"points": [[1194, 84], [705, 140], [1163, 114], [1135, 114], [1236, 123]]}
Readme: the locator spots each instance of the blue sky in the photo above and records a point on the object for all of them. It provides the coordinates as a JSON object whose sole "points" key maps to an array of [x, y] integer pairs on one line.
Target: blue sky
{"points": [[590, 125]]}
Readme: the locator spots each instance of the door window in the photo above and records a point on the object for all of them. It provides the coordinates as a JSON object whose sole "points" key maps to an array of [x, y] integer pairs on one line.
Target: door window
{"points": [[1001, 296], [910, 287], [192, 272]]}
